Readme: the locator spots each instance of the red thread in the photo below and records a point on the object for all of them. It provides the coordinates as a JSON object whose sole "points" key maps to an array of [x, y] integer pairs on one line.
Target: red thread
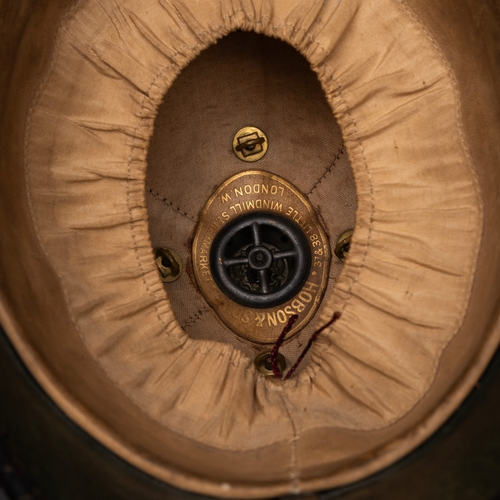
{"points": [[281, 338]]}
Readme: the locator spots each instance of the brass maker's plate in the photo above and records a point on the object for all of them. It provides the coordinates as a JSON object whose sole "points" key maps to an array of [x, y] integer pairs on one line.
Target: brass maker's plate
{"points": [[232, 205]]}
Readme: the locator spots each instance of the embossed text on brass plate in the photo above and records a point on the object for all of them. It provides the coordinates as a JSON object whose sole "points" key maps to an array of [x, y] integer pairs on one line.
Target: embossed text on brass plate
{"points": [[232, 205]]}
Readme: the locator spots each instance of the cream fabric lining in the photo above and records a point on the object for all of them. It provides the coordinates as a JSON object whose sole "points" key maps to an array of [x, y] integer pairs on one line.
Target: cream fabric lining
{"points": [[405, 288]]}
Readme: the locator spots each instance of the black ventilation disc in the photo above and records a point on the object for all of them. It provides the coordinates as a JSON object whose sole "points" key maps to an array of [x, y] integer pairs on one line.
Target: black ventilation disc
{"points": [[260, 260]]}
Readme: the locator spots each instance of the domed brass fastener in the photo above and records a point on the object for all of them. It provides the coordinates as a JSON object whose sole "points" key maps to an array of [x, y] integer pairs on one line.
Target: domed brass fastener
{"points": [[169, 264], [250, 144], [263, 363], [343, 245]]}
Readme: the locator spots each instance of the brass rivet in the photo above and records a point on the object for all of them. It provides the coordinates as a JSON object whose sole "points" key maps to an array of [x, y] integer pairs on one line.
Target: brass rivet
{"points": [[263, 363], [250, 144], [343, 245], [169, 264]]}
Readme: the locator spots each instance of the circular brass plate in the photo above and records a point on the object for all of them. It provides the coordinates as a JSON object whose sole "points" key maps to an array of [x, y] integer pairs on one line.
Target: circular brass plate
{"points": [[257, 191], [250, 144]]}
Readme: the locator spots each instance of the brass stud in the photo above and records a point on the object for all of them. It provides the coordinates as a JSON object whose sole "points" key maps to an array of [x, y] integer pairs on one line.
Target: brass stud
{"points": [[343, 245], [250, 144], [169, 264], [263, 363]]}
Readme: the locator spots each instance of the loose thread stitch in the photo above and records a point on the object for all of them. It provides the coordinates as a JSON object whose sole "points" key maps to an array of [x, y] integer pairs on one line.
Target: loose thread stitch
{"points": [[281, 339]]}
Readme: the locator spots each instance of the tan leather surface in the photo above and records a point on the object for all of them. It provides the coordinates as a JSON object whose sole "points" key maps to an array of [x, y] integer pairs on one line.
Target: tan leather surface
{"points": [[35, 316]]}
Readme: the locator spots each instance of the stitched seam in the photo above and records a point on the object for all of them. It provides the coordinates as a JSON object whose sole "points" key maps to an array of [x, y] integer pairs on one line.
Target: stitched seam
{"points": [[132, 221], [340, 152], [294, 468], [302, 32], [170, 205], [315, 367], [458, 107], [472, 171], [195, 317], [189, 52], [27, 180], [32, 210], [279, 31]]}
